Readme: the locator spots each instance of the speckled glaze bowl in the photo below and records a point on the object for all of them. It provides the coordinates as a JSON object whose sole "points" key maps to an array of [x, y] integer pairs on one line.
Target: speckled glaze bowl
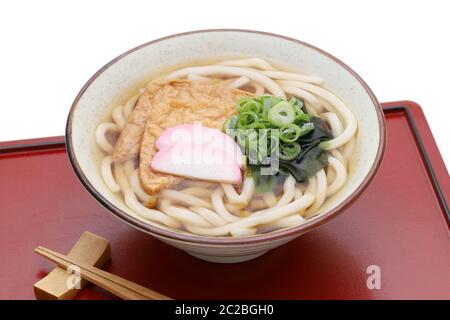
{"points": [[135, 66]]}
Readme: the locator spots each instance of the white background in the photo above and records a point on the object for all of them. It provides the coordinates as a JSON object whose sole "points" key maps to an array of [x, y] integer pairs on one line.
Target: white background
{"points": [[50, 48]]}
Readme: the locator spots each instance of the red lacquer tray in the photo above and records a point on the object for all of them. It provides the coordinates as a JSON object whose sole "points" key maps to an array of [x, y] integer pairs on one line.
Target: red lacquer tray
{"points": [[399, 224]]}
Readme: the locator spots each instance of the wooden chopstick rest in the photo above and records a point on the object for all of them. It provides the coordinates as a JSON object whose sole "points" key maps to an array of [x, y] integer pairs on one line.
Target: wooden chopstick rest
{"points": [[121, 287], [91, 250]]}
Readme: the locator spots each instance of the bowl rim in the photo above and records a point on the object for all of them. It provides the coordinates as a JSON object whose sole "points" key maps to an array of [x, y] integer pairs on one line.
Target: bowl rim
{"points": [[268, 237]]}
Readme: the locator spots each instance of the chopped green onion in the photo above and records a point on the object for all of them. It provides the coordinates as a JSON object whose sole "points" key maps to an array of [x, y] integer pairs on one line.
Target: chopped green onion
{"points": [[298, 105], [256, 125], [269, 127], [240, 137], [306, 128], [230, 123], [264, 121], [273, 141], [324, 145], [249, 104], [289, 151], [265, 109], [245, 136], [246, 118], [306, 117], [281, 114], [297, 102], [268, 101], [290, 133]]}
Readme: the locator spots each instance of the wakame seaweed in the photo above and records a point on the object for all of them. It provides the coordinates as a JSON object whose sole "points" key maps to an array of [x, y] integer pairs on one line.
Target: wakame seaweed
{"points": [[321, 132], [310, 161], [312, 158], [264, 183]]}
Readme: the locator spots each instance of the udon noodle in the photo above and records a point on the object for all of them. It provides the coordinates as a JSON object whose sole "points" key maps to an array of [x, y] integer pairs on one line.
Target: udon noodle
{"points": [[218, 209]]}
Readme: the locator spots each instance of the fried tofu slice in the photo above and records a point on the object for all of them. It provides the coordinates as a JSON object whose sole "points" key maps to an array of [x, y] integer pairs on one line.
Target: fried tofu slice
{"points": [[129, 142], [178, 102]]}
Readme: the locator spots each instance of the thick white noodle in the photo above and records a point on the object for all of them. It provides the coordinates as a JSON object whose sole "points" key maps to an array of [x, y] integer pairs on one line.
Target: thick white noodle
{"points": [[219, 207], [334, 122], [259, 89], [198, 192], [289, 221], [248, 63], [133, 203], [184, 198], [241, 199], [129, 105], [107, 174], [234, 209], [340, 178], [196, 77], [243, 232], [257, 204], [282, 75], [209, 215], [185, 216], [268, 83], [337, 154], [289, 192], [100, 136], [270, 199], [239, 82], [310, 109], [135, 184], [308, 97], [331, 175], [119, 117], [339, 105], [329, 106], [298, 193], [321, 193], [268, 216]]}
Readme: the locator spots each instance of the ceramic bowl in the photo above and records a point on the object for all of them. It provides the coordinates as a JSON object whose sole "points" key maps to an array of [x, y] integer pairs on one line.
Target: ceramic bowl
{"points": [[133, 68]]}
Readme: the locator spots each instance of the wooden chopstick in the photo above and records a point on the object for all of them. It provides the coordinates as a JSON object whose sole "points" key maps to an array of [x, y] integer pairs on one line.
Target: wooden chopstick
{"points": [[118, 286], [122, 292]]}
